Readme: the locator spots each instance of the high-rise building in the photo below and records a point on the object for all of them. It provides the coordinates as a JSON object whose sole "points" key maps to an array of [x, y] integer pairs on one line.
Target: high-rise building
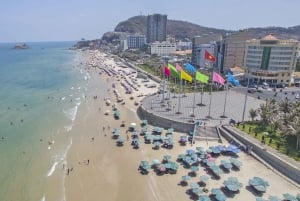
{"points": [[233, 49], [156, 28], [271, 60]]}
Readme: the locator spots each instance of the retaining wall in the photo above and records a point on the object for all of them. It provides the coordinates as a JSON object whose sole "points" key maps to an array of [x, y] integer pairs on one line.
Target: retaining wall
{"points": [[163, 122], [281, 165]]}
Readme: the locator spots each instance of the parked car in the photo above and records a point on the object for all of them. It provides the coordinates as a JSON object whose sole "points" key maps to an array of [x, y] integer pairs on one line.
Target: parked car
{"points": [[280, 85], [252, 90]]}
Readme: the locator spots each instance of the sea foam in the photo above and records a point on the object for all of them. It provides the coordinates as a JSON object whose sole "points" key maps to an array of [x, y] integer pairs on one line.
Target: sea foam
{"points": [[50, 172]]}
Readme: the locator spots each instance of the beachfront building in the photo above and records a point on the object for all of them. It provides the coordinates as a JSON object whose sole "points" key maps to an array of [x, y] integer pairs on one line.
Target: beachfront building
{"points": [[233, 49], [136, 41], [271, 60], [156, 28], [162, 48]]}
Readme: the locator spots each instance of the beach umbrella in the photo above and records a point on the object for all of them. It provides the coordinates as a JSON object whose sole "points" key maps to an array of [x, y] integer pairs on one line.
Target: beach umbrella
{"points": [[216, 191], [194, 185], [185, 178], [226, 164], [289, 197], [204, 178], [274, 198], [197, 191], [156, 162], [215, 150], [156, 143], [204, 198], [194, 169], [190, 152], [180, 156], [145, 165], [232, 184], [209, 151], [167, 158], [200, 149], [148, 137], [260, 199], [236, 163], [216, 170], [221, 197], [174, 166], [258, 184], [121, 139]]}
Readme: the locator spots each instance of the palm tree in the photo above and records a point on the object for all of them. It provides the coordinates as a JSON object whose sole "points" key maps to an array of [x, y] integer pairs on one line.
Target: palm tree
{"points": [[253, 114], [291, 120]]}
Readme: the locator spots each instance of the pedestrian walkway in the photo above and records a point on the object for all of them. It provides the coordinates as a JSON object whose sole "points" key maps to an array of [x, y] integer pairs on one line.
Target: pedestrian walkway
{"points": [[181, 107]]}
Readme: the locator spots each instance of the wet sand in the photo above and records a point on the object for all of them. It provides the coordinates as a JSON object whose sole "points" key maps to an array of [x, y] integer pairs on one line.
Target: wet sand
{"points": [[112, 172]]}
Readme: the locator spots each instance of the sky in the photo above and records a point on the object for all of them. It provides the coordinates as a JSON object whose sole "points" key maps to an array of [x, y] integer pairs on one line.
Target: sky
{"points": [[71, 20]]}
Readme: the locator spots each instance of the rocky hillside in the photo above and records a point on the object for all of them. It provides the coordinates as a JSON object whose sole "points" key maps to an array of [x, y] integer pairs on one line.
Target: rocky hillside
{"points": [[181, 29], [176, 28]]}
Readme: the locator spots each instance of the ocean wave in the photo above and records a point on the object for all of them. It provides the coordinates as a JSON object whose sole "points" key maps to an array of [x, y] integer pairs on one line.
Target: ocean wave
{"points": [[71, 113], [50, 172], [69, 127], [43, 198]]}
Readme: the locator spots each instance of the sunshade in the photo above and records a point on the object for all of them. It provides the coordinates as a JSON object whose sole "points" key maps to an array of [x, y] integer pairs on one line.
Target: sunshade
{"points": [[232, 184]]}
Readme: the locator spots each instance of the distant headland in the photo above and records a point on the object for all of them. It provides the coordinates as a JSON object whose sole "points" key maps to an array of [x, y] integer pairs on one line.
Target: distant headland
{"points": [[20, 46]]}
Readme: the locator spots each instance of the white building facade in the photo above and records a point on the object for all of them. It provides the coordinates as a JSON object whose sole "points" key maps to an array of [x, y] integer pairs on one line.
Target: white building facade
{"points": [[163, 48]]}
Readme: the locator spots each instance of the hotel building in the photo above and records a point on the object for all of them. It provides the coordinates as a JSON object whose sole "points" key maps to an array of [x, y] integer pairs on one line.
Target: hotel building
{"points": [[270, 59]]}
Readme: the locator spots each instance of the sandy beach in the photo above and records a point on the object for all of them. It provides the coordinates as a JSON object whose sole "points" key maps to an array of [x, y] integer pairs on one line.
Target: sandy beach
{"points": [[97, 169]]}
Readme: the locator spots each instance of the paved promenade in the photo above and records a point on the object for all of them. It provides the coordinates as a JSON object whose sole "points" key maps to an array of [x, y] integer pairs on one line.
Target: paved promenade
{"points": [[180, 109]]}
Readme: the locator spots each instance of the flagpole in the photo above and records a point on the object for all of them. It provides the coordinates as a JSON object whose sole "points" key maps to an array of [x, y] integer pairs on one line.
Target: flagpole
{"points": [[175, 84], [179, 98], [193, 114], [169, 95], [224, 116], [246, 96], [211, 83]]}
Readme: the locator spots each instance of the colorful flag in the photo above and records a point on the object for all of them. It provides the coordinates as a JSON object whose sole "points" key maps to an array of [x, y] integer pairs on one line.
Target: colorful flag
{"points": [[185, 76], [231, 79], [190, 68], [167, 71], [209, 56], [218, 78], [201, 77], [178, 67], [174, 72]]}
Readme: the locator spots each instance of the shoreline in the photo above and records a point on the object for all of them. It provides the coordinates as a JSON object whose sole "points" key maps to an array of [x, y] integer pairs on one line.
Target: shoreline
{"points": [[111, 173]]}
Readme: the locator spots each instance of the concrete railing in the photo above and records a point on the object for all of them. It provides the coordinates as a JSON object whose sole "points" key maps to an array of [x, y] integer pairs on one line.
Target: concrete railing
{"points": [[282, 166]]}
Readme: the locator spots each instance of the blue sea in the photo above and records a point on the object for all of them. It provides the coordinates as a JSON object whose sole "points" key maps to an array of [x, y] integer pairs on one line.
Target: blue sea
{"points": [[41, 90]]}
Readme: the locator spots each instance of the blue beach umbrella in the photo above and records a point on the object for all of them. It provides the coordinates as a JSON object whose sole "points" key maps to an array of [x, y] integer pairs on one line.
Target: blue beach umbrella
{"points": [[221, 197], [185, 178], [289, 197], [274, 198], [194, 185], [216, 191], [236, 163], [260, 199], [204, 178], [232, 184], [226, 164], [190, 152], [204, 198]]}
